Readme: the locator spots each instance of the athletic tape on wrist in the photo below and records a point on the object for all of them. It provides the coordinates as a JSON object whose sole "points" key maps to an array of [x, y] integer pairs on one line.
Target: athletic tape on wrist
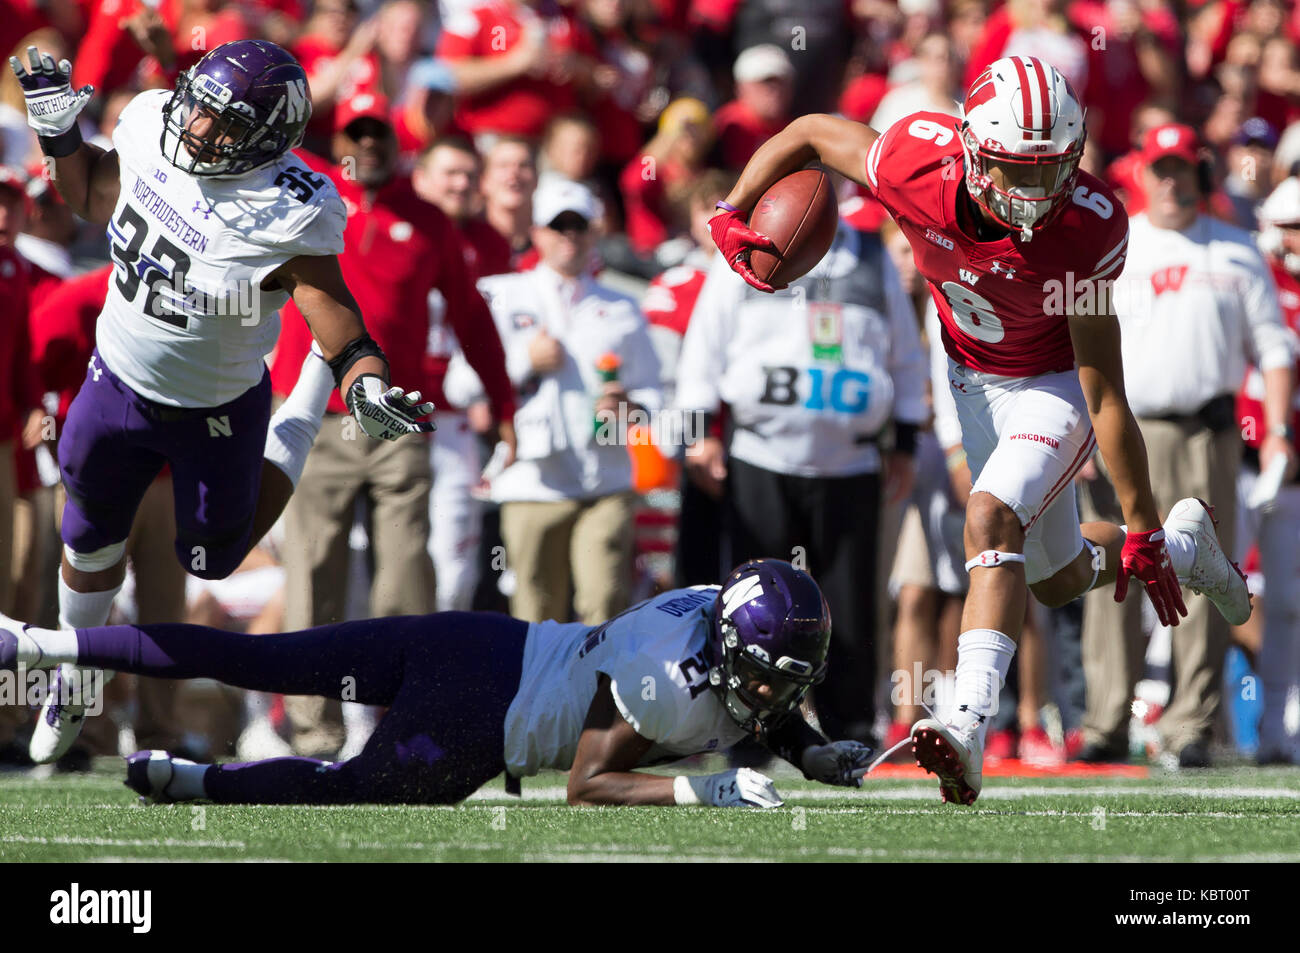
{"points": [[352, 352]]}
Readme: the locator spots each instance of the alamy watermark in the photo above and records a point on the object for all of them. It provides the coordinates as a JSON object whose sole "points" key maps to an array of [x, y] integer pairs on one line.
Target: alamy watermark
{"points": [[72, 686]]}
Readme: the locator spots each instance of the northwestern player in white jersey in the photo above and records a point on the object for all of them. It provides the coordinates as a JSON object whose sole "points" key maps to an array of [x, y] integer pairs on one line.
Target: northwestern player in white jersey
{"points": [[470, 695], [214, 224]]}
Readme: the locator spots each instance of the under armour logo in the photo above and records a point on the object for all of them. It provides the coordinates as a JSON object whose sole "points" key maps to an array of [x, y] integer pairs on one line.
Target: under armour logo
{"points": [[200, 207], [97, 371], [988, 558], [998, 268]]}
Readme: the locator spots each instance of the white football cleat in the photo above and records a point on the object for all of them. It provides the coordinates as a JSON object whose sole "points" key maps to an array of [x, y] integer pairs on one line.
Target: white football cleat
{"points": [[60, 718], [956, 757], [1213, 574], [259, 741], [148, 773]]}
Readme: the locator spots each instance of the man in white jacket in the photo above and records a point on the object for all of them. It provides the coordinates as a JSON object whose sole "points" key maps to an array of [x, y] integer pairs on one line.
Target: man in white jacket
{"points": [[567, 501]]}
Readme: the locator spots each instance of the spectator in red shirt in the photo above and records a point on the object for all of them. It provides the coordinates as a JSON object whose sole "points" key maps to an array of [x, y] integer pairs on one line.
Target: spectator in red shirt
{"points": [[427, 112], [19, 392], [336, 51], [109, 56], [621, 78], [516, 64], [509, 180], [448, 177], [761, 108], [397, 250], [45, 242], [666, 168]]}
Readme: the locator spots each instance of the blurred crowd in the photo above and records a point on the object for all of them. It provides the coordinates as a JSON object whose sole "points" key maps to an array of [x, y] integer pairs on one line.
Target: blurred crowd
{"points": [[558, 162]]}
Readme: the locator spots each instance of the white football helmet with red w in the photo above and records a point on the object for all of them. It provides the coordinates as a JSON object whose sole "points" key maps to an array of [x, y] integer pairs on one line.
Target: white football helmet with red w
{"points": [[1022, 133]]}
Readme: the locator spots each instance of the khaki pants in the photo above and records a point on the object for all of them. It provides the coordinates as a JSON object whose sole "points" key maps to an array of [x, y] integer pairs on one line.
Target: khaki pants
{"points": [[1185, 459], [584, 542], [396, 477]]}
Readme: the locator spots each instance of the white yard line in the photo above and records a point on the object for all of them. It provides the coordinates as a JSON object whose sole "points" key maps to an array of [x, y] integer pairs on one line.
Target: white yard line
{"points": [[930, 791], [112, 842]]}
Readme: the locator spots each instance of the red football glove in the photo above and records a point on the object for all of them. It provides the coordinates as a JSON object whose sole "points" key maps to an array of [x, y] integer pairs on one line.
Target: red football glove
{"points": [[734, 239], [1145, 557]]}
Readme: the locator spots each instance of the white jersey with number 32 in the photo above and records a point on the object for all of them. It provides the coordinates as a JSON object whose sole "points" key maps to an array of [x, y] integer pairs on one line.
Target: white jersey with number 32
{"points": [[186, 322]]}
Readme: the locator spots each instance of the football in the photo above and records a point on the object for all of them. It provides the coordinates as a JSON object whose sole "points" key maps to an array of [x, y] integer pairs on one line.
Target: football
{"points": [[800, 214]]}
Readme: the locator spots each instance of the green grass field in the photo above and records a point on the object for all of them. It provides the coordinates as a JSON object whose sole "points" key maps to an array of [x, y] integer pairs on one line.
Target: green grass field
{"points": [[1238, 815]]}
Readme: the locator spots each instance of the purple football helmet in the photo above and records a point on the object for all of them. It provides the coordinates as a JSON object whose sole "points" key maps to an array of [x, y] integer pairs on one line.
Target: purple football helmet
{"points": [[242, 106], [770, 624]]}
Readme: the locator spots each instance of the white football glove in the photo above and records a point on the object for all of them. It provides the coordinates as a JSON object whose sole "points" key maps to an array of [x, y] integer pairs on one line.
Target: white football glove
{"points": [[52, 105], [739, 787], [842, 763], [388, 414]]}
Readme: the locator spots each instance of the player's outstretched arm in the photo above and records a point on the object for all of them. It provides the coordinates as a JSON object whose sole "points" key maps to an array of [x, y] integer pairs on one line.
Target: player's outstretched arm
{"points": [[360, 370], [839, 144], [608, 749], [1096, 340], [86, 176]]}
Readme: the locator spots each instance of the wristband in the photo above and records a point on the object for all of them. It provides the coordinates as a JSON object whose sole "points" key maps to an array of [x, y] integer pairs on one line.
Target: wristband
{"points": [[62, 145], [726, 206], [1281, 430], [352, 352], [955, 460], [683, 792]]}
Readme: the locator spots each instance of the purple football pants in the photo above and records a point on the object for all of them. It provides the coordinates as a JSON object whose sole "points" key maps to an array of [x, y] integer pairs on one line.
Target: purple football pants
{"points": [[447, 679], [116, 442]]}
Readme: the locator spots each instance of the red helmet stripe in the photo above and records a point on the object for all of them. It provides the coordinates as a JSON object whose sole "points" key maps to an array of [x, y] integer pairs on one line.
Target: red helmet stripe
{"points": [[1045, 111], [1026, 100]]}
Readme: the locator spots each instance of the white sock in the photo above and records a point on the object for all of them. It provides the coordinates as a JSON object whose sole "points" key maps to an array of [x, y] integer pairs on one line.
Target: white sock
{"points": [[257, 705], [983, 660], [293, 428], [187, 780], [46, 647], [1182, 552], [83, 610]]}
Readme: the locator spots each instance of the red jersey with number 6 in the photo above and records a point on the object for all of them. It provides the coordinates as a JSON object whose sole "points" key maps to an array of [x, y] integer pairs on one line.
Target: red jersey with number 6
{"points": [[1003, 304]]}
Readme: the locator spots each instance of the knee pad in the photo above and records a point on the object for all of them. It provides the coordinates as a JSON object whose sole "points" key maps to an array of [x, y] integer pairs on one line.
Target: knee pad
{"points": [[993, 557], [97, 560]]}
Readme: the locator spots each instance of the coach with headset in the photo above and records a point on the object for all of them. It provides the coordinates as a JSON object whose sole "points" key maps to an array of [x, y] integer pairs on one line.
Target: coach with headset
{"points": [[1196, 305]]}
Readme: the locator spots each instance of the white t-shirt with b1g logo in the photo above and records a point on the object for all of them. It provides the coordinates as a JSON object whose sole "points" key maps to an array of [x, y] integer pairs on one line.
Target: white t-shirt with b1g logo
{"points": [[653, 654], [186, 322]]}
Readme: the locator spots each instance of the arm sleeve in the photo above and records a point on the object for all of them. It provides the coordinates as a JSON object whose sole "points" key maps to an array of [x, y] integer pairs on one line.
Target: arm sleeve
{"points": [[907, 361], [704, 348]]}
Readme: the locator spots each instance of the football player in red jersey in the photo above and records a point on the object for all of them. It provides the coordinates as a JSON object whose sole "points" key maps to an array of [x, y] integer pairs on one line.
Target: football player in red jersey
{"points": [[1019, 248]]}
